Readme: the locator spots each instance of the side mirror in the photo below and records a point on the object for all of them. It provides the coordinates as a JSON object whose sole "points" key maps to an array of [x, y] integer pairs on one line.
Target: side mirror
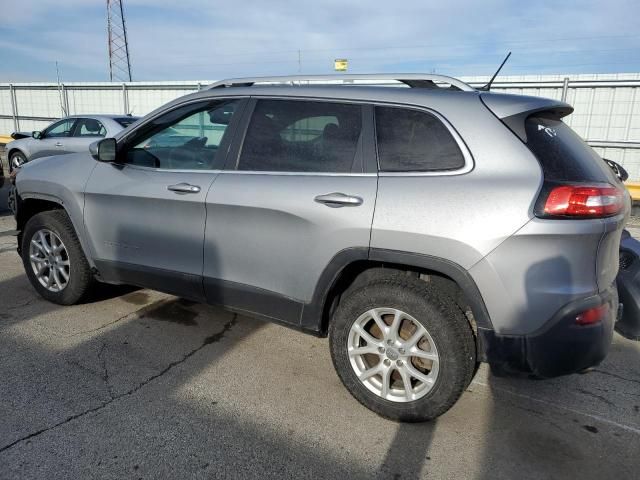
{"points": [[36, 134], [104, 150]]}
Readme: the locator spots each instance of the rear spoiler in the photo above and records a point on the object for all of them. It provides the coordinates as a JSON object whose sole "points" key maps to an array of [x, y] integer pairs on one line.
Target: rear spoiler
{"points": [[19, 135], [513, 110]]}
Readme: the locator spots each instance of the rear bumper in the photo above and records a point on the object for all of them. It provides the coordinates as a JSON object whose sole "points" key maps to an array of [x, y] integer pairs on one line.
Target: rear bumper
{"points": [[628, 282], [560, 347]]}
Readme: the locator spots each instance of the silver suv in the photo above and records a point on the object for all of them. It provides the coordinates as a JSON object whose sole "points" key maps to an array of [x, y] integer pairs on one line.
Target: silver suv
{"points": [[423, 229]]}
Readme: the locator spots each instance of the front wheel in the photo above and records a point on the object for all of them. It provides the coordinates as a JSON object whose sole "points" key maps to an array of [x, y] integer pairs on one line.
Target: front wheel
{"points": [[16, 160], [403, 348], [53, 258]]}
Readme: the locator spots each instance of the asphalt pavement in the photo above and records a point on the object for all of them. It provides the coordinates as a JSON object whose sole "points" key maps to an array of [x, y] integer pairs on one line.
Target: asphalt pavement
{"points": [[138, 384]]}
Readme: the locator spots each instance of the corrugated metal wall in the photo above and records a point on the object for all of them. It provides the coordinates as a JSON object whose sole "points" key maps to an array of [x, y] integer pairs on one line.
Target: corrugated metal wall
{"points": [[607, 106]]}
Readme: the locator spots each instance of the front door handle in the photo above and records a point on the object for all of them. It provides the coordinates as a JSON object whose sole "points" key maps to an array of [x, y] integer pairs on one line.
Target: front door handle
{"points": [[58, 144], [337, 199], [184, 188]]}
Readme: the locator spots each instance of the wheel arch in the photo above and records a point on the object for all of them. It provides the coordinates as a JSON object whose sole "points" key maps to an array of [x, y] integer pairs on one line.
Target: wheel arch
{"points": [[29, 205], [14, 150], [350, 264]]}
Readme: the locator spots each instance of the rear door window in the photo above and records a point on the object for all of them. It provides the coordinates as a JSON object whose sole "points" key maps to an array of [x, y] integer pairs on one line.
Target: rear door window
{"points": [[563, 155], [301, 136], [89, 127], [414, 141]]}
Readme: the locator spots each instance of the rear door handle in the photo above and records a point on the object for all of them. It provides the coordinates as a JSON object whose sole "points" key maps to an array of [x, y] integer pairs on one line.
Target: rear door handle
{"points": [[58, 144], [184, 188], [337, 199]]}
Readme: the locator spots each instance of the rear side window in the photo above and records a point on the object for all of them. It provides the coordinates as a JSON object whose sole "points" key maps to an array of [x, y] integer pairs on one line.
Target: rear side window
{"points": [[89, 127], [414, 141], [301, 136], [563, 155]]}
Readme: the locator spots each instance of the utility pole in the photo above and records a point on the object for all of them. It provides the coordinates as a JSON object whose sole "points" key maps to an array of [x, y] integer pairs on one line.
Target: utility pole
{"points": [[119, 61]]}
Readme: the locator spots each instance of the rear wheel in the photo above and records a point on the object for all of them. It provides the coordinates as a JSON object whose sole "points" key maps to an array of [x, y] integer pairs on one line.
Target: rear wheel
{"points": [[16, 160], [53, 258], [402, 348]]}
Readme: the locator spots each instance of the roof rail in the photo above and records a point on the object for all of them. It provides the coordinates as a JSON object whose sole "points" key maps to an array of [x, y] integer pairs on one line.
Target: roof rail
{"points": [[413, 80]]}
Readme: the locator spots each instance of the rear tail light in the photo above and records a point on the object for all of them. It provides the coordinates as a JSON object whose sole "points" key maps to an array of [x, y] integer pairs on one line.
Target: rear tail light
{"points": [[593, 315], [580, 201]]}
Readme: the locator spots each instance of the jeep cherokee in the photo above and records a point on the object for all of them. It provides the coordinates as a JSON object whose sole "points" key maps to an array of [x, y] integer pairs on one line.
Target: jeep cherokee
{"points": [[423, 229]]}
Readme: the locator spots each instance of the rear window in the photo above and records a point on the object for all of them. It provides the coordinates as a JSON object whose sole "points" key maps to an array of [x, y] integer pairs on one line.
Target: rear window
{"points": [[414, 141], [126, 121], [563, 155]]}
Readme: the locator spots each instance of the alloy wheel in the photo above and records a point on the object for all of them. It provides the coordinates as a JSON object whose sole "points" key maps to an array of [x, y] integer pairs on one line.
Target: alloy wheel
{"points": [[393, 355], [49, 260], [16, 161]]}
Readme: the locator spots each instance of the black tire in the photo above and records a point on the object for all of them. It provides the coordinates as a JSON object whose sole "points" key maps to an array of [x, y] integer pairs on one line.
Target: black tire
{"points": [[16, 156], [444, 321], [80, 276]]}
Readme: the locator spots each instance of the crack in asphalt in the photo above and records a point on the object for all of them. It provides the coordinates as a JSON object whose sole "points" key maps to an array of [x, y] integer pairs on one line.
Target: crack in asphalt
{"points": [[596, 396], [102, 327], [216, 337], [619, 392], [105, 371], [558, 406], [133, 315], [540, 415], [87, 369], [615, 375], [137, 314], [23, 304]]}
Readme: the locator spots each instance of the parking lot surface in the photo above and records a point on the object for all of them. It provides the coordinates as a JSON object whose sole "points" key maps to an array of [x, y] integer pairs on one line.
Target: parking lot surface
{"points": [[137, 384]]}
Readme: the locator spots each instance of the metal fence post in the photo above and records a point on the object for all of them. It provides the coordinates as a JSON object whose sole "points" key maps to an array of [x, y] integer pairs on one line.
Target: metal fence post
{"points": [[610, 113], [565, 87], [627, 125], [65, 99], [14, 107], [125, 98]]}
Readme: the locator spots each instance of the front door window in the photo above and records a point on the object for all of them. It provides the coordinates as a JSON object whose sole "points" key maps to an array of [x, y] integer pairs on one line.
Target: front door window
{"points": [[188, 138]]}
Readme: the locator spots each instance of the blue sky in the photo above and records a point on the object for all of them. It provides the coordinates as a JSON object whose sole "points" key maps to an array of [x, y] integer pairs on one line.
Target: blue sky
{"points": [[197, 39]]}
